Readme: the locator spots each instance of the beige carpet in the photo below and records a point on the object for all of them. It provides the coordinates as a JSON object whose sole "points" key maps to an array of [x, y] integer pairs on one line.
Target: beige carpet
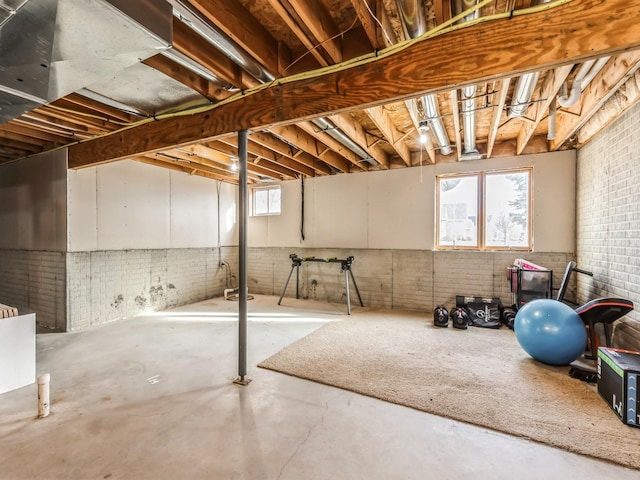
{"points": [[479, 376]]}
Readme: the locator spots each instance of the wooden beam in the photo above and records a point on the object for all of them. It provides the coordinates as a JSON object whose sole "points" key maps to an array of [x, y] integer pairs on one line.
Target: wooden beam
{"points": [[453, 100], [366, 13], [245, 30], [287, 150], [601, 88], [356, 132], [383, 122], [548, 92], [572, 32], [186, 77], [320, 23], [497, 115], [299, 33], [195, 47], [306, 142]]}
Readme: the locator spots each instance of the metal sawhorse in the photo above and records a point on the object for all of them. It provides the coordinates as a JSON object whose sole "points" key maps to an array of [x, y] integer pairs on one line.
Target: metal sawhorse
{"points": [[296, 262]]}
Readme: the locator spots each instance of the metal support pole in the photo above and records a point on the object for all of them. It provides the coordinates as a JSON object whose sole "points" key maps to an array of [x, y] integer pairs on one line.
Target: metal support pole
{"points": [[243, 293]]}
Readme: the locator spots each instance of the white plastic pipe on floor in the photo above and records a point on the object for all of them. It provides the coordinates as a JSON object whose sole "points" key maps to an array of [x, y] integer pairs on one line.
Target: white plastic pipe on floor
{"points": [[43, 395]]}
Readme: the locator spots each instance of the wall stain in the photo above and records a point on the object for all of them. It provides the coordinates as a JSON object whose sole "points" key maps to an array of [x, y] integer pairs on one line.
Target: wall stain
{"points": [[118, 301], [141, 301]]}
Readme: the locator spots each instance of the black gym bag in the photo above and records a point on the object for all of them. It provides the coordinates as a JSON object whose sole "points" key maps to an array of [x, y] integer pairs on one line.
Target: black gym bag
{"points": [[484, 314]]}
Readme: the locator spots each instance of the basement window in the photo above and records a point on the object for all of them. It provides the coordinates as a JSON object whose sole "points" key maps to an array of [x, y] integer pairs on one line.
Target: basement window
{"points": [[265, 200], [484, 210]]}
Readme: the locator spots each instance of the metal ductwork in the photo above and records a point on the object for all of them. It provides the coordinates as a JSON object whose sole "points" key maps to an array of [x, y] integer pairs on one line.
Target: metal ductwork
{"points": [[219, 40], [468, 104], [50, 48], [522, 93], [337, 135], [523, 89], [414, 24], [233, 51]]}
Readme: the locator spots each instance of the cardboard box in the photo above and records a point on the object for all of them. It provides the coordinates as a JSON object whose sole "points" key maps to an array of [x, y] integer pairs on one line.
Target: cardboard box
{"points": [[618, 373]]}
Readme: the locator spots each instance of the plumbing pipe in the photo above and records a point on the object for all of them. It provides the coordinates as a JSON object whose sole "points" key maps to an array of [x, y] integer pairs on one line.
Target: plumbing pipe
{"points": [[43, 395], [551, 130], [588, 70]]}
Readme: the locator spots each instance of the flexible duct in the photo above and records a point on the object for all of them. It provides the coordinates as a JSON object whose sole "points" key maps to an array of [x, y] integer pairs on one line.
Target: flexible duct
{"points": [[522, 93], [337, 134], [524, 87], [468, 105], [414, 24]]}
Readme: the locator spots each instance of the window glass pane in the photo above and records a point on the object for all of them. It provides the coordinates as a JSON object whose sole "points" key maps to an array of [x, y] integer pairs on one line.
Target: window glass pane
{"points": [[507, 210], [274, 200], [260, 202], [458, 211]]}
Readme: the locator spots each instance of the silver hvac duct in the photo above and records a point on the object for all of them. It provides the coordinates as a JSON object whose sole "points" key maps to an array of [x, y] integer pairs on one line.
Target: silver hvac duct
{"points": [[414, 24], [337, 135], [523, 89], [468, 105], [50, 48], [219, 40], [235, 53]]}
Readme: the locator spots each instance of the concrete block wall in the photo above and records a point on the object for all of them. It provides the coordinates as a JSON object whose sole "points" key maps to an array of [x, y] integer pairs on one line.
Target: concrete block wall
{"points": [[413, 280], [608, 220], [104, 286], [34, 280]]}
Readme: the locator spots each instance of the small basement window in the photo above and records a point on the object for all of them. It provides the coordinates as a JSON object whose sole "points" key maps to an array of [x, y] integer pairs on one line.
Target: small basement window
{"points": [[266, 200]]}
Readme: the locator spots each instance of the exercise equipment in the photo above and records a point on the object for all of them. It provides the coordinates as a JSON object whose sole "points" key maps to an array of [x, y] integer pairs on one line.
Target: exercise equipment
{"points": [[345, 263], [598, 317], [550, 331], [440, 316], [459, 317]]}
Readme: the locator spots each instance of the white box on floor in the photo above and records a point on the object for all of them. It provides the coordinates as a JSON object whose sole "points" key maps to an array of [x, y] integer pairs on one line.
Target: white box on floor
{"points": [[17, 352]]}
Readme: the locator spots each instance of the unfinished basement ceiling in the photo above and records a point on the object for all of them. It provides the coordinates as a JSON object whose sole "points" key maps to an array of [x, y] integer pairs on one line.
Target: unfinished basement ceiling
{"points": [[171, 107]]}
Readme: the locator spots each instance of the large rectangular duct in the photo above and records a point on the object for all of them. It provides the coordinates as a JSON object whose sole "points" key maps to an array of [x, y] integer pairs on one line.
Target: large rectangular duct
{"points": [[50, 48]]}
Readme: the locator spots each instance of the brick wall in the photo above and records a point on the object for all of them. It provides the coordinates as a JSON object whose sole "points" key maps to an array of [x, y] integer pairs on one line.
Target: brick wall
{"points": [[34, 280], [109, 285], [608, 220], [414, 280]]}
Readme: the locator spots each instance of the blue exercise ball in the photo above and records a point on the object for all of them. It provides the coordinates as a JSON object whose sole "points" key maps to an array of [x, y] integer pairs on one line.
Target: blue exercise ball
{"points": [[550, 331]]}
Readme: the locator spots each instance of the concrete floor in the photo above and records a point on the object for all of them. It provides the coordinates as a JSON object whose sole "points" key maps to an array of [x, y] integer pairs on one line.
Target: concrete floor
{"points": [[152, 397]]}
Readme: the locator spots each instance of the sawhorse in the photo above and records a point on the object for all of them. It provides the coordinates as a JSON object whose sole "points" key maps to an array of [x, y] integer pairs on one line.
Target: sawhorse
{"points": [[296, 262]]}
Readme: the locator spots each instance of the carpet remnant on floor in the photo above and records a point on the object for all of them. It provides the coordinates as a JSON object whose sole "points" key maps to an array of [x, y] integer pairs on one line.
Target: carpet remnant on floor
{"points": [[479, 376]]}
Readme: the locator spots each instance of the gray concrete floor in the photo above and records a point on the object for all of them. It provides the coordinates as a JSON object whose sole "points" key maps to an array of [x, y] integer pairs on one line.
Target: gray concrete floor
{"points": [[152, 397]]}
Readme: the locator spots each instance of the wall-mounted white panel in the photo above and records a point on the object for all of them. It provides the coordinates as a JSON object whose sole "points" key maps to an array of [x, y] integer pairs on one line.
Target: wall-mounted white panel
{"points": [[33, 203], [194, 211], [132, 206], [340, 207], [82, 210], [395, 209], [228, 214], [128, 205], [401, 209]]}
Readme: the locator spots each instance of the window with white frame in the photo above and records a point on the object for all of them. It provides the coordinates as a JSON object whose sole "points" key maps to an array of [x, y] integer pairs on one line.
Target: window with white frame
{"points": [[484, 210], [266, 200]]}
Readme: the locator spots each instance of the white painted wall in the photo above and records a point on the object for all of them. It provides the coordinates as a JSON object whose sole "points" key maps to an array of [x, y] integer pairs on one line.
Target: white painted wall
{"points": [[130, 205], [395, 209], [33, 203]]}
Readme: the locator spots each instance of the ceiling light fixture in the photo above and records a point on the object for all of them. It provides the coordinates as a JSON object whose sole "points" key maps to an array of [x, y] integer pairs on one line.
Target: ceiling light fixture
{"points": [[423, 129]]}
